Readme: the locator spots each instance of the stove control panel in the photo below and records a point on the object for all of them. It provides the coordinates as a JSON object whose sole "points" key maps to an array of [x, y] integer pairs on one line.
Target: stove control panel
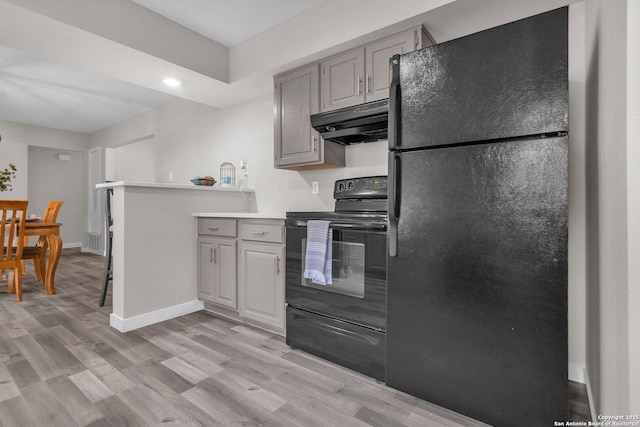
{"points": [[370, 187]]}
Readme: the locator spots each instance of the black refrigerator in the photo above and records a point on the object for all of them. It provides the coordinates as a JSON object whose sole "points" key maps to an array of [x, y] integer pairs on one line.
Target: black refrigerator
{"points": [[477, 265]]}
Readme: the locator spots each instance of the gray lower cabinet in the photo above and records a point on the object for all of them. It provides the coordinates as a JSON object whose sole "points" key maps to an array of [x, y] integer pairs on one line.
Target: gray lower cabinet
{"points": [[217, 279], [262, 283], [217, 259], [262, 273], [297, 145], [241, 270]]}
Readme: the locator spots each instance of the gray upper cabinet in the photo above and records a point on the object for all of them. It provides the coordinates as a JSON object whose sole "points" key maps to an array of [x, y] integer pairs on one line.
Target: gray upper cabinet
{"points": [[297, 145], [349, 78], [343, 80], [378, 55], [362, 75]]}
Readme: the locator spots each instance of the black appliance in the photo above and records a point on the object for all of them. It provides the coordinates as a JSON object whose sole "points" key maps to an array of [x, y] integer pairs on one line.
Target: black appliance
{"points": [[343, 322], [360, 123], [477, 267]]}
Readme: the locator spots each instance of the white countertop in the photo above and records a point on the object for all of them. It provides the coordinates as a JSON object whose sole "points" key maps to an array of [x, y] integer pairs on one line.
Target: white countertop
{"points": [[241, 215], [171, 186]]}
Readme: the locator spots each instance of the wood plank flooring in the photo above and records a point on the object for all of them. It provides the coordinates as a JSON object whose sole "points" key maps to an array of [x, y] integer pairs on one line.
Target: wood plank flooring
{"points": [[63, 365]]}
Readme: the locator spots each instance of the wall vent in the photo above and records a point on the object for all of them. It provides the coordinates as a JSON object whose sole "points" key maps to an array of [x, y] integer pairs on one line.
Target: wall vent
{"points": [[94, 242]]}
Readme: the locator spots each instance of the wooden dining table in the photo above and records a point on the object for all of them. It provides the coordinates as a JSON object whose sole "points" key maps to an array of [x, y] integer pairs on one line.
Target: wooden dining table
{"points": [[51, 231]]}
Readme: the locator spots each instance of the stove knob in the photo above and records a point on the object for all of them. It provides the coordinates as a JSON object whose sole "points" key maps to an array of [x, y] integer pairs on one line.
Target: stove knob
{"points": [[350, 185], [340, 186]]}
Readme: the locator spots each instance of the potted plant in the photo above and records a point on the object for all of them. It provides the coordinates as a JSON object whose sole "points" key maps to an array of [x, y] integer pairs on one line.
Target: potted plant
{"points": [[6, 175]]}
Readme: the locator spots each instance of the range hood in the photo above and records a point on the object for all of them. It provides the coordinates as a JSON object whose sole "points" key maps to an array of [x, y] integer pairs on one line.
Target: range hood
{"points": [[360, 123]]}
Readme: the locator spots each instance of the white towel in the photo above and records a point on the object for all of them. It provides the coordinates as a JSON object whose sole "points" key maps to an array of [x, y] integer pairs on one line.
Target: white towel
{"points": [[318, 253]]}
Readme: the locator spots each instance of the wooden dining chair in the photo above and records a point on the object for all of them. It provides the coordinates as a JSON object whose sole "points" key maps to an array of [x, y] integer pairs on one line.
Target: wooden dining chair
{"points": [[14, 214], [38, 252]]}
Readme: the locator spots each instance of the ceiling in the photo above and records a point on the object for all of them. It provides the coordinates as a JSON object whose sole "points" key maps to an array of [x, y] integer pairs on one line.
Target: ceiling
{"points": [[37, 91], [83, 65], [229, 22]]}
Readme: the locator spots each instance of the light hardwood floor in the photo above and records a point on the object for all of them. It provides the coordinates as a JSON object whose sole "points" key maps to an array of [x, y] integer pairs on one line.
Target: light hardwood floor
{"points": [[62, 365]]}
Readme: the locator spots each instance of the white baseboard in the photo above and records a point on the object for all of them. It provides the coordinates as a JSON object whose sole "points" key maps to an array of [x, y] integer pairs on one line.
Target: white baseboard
{"points": [[579, 374], [92, 251], [146, 319], [592, 406], [71, 245]]}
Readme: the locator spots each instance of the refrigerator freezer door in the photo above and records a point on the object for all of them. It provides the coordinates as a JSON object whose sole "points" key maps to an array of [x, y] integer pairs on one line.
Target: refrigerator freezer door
{"points": [[477, 294], [505, 82]]}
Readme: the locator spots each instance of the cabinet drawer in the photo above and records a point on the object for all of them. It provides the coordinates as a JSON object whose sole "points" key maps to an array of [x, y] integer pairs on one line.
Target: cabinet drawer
{"points": [[217, 227], [262, 232]]}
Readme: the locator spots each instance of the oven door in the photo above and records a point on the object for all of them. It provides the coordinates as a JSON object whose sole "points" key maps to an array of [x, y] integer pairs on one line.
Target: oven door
{"points": [[357, 293]]}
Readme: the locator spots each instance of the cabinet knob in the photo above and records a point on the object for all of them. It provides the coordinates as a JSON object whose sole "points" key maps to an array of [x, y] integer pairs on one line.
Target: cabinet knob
{"points": [[278, 265], [314, 142]]}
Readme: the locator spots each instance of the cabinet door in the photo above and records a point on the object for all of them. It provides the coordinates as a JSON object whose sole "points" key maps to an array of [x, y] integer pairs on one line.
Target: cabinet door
{"points": [[225, 259], [342, 80], [206, 269], [262, 283], [377, 62], [217, 261], [296, 98]]}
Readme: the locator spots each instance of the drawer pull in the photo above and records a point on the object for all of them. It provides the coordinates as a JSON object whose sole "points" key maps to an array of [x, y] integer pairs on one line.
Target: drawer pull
{"points": [[258, 233], [213, 228]]}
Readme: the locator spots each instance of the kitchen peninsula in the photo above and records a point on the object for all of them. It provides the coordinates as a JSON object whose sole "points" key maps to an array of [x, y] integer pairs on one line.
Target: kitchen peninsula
{"points": [[154, 247]]}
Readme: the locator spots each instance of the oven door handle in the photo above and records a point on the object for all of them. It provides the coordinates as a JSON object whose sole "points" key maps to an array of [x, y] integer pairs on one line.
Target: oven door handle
{"points": [[373, 226]]}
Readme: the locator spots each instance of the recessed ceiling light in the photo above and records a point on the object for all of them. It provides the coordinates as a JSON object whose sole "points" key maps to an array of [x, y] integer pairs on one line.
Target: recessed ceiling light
{"points": [[171, 81]]}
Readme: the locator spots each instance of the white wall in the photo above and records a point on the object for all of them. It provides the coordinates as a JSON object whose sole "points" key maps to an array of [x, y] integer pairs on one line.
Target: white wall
{"points": [[613, 247], [11, 152], [131, 162], [48, 178], [53, 179], [194, 139], [577, 189], [633, 199]]}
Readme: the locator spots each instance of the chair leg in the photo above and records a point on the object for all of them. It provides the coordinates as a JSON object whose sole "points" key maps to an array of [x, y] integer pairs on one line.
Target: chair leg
{"points": [[2, 276], [39, 264], [15, 283], [11, 283], [107, 274]]}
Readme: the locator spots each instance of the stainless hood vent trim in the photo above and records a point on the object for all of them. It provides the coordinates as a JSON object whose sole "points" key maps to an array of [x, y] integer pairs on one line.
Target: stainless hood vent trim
{"points": [[361, 123]]}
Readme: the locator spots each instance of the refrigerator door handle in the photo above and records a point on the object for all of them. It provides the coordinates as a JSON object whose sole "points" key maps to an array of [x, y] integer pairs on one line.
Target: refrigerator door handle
{"points": [[394, 103], [394, 201]]}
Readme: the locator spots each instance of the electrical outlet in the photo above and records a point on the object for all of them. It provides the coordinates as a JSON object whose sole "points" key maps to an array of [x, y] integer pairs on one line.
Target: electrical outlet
{"points": [[170, 176], [315, 189]]}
